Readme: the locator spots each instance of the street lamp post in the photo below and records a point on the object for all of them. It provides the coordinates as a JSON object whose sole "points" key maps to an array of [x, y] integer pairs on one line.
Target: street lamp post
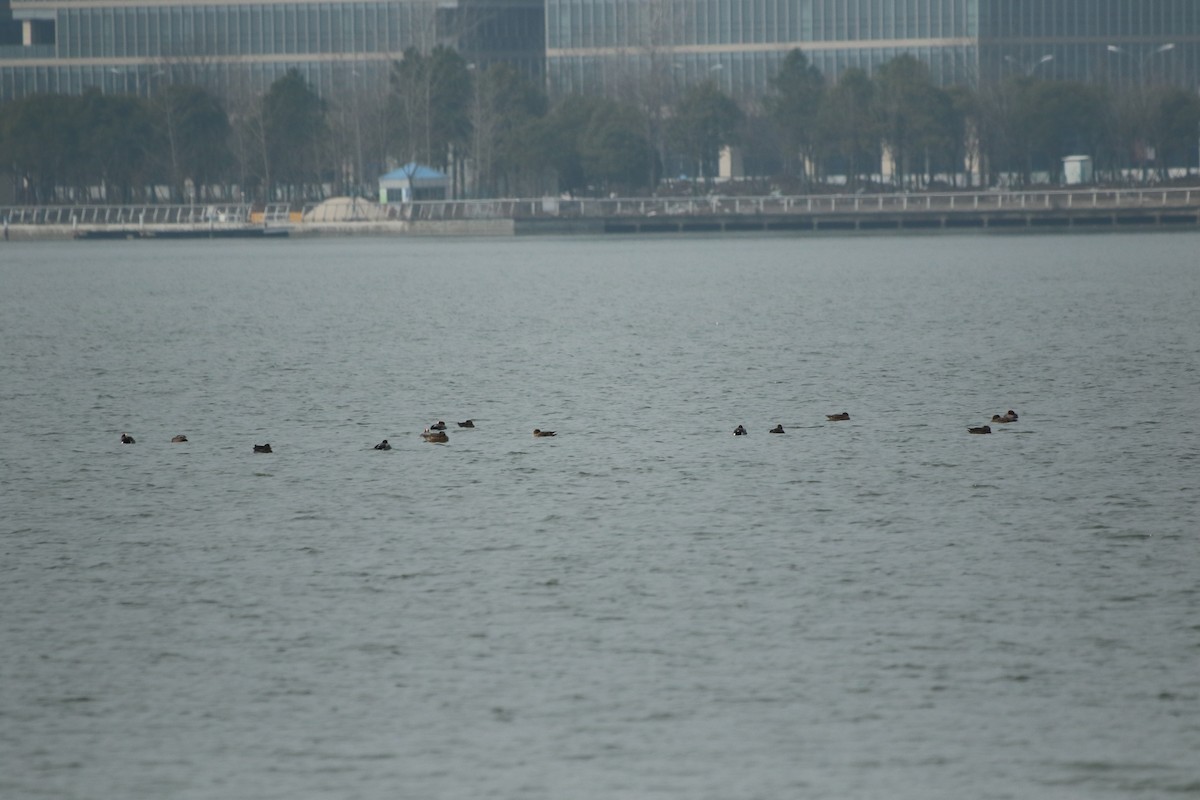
{"points": [[120, 77], [358, 145], [482, 124], [1029, 69], [1143, 152], [712, 72], [1141, 62]]}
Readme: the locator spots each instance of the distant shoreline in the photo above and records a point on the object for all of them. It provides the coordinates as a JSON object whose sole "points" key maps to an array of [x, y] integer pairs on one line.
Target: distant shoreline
{"points": [[866, 225]]}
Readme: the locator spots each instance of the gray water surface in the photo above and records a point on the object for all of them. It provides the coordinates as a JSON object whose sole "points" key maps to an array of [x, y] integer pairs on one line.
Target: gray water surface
{"points": [[644, 606]]}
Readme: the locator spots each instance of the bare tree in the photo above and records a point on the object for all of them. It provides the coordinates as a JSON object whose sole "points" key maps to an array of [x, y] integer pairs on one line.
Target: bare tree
{"points": [[248, 141], [650, 72]]}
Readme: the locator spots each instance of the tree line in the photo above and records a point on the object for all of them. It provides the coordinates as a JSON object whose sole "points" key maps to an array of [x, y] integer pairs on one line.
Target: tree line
{"points": [[1012, 132], [497, 133]]}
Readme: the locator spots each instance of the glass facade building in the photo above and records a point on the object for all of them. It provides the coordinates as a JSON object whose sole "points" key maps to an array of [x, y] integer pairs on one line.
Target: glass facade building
{"points": [[595, 43], [134, 45], [1128, 42], [611, 46], [602, 45]]}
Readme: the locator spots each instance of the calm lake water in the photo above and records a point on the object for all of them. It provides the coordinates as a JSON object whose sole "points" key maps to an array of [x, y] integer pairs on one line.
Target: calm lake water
{"points": [[644, 606]]}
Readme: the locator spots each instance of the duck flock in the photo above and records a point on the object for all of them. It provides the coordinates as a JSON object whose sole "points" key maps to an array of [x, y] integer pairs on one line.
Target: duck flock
{"points": [[997, 419], [436, 433]]}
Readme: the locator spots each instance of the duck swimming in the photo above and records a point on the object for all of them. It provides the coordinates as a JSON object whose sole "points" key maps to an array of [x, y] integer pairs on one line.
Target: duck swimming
{"points": [[440, 426], [127, 439], [435, 435], [467, 424], [263, 448], [982, 429], [777, 429], [996, 418], [383, 445], [845, 415], [538, 433], [739, 431], [178, 439]]}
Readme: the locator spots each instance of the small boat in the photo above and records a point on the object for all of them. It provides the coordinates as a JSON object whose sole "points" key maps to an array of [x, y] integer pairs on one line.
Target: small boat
{"points": [[845, 415], [263, 448], [538, 433]]}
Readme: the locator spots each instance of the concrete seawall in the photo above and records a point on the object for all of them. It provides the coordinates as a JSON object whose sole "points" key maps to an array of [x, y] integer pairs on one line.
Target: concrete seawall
{"points": [[450, 227], [865, 222]]}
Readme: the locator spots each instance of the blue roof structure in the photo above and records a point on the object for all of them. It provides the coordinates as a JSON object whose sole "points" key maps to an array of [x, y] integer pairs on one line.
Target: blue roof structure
{"points": [[414, 171]]}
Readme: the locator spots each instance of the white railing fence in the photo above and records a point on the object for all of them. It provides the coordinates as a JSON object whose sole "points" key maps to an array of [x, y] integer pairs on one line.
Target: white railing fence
{"points": [[554, 207], [224, 215], [797, 204]]}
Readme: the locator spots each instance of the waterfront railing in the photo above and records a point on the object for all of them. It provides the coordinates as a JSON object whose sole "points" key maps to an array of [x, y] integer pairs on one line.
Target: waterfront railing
{"points": [[135, 216], [279, 215], [797, 204]]}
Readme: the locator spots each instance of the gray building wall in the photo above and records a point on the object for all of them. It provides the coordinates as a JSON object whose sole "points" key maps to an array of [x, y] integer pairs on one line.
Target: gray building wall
{"points": [[1126, 42], [608, 45], [650, 47], [233, 46]]}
